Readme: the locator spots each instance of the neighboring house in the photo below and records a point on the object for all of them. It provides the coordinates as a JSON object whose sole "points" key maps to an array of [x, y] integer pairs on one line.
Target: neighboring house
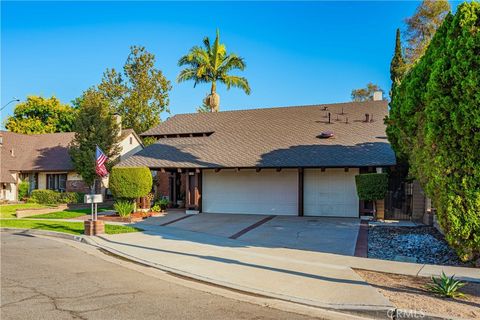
{"points": [[272, 161], [44, 161]]}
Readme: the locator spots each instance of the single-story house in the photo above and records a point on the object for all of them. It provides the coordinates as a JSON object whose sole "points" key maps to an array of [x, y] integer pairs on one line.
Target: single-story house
{"points": [[43, 160], [298, 160]]}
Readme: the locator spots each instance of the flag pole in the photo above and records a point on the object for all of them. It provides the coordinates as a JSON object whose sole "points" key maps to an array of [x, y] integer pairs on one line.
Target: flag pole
{"points": [[93, 192]]}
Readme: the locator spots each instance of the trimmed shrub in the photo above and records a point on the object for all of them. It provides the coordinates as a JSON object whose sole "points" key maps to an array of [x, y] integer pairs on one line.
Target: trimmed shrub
{"points": [[371, 186], [130, 183], [124, 208], [70, 197], [23, 188], [45, 196]]}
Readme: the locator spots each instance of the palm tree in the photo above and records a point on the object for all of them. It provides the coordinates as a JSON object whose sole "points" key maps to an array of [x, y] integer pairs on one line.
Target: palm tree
{"points": [[209, 64]]}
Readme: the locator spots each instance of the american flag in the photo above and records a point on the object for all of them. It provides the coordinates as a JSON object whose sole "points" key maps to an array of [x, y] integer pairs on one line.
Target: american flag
{"points": [[101, 158]]}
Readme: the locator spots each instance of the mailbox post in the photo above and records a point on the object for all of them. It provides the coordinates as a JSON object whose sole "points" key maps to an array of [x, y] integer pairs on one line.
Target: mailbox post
{"points": [[93, 226]]}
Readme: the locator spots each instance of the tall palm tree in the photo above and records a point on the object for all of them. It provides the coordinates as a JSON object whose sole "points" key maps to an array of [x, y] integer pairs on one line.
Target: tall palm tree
{"points": [[212, 63]]}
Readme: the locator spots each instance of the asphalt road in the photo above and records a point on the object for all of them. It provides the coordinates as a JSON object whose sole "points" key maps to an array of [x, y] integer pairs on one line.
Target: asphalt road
{"points": [[46, 279]]}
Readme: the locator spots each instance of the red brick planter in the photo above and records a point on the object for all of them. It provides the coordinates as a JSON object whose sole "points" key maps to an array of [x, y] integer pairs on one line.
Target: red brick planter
{"points": [[93, 228]]}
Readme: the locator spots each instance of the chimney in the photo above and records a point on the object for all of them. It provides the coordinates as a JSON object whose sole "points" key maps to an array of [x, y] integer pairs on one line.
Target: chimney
{"points": [[377, 96], [367, 117], [118, 119]]}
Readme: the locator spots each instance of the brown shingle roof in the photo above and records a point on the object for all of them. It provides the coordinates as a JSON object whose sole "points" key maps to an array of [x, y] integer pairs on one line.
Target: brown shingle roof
{"points": [[273, 137], [37, 152]]}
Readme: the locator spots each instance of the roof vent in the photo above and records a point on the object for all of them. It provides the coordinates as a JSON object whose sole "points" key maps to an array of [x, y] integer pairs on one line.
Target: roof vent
{"points": [[325, 135]]}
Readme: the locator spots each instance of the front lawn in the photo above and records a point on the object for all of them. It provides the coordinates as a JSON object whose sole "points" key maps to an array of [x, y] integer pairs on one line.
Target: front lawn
{"points": [[62, 226], [67, 214], [8, 210]]}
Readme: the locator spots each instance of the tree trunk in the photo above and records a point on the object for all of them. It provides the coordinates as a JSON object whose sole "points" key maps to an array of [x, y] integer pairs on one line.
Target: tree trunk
{"points": [[213, 99]]}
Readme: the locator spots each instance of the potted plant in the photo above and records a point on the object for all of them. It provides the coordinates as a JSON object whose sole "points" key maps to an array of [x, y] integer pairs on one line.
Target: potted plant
{"points": [[372, 187], [181, 199]]}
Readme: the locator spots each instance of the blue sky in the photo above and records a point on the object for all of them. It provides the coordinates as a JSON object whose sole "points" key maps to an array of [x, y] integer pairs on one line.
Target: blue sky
{"points": [[296, 53]]}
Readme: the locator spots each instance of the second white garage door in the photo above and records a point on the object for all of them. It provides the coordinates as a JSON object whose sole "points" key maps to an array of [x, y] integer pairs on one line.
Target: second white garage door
{"points": [[250, 192], [330, 193]]}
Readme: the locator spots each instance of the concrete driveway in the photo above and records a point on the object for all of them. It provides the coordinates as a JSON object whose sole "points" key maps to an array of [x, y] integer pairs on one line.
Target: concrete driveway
{"points": [[322, 234]]}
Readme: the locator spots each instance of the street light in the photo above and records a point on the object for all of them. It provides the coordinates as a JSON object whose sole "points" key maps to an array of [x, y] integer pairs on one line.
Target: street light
{"points": [[13, 100]]}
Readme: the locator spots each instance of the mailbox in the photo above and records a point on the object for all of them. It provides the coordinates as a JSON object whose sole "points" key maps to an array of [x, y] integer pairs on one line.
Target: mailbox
{"points": [[93, 198]]}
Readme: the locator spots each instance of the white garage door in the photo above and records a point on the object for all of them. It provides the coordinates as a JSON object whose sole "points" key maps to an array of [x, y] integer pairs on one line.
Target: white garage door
{"points": [[330, 193], [247, 191]]}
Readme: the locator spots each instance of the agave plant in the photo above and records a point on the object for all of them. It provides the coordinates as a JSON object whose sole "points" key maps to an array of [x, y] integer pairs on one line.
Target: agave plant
{"points": [[445, 286], [124, 208]]}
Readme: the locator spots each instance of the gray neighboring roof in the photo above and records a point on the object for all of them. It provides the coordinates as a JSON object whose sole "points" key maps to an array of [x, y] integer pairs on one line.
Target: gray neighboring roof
{"points": [[272, 137], [37, 152]]}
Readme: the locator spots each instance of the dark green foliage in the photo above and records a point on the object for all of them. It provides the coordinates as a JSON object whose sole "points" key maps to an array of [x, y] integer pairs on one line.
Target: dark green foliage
{"points": [[95, 125], [23, 188], [139, 93], [55, 197], [434, 123], [130, 183], [397, 66], [45, 196], [70, 197], [371, 186], [446, 287]]}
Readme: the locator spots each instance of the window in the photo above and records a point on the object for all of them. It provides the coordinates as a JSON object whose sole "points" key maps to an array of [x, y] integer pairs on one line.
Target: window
{"points": [[131, 140], [57, 182]]}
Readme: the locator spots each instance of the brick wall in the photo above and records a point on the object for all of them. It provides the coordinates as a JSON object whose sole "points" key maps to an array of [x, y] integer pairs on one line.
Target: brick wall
{"points": [[77, 186], [162, 184]]}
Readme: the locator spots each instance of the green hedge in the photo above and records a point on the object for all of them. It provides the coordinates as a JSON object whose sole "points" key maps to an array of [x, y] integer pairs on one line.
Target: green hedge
{"points": [[23, 188], [45, 196], [71, 197], [371, 186], [54, 197], [434, 124], [130, 183]]}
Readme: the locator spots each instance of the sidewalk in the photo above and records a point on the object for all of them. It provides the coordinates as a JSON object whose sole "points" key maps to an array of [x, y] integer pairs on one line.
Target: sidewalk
{"points": [[233, 264], [310, 278]]}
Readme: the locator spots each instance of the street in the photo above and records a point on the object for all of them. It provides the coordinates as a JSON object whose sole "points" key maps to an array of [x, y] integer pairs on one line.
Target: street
{"points": [[47, 279]]}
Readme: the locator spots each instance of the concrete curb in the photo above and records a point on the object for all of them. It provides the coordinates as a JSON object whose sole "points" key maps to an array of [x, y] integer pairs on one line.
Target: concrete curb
{"points": [[363, 311], [355, 310], [47, 233]]}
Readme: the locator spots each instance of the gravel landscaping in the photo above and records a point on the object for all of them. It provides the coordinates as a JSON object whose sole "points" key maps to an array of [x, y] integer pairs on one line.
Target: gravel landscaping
{"points": [[421, 244]]}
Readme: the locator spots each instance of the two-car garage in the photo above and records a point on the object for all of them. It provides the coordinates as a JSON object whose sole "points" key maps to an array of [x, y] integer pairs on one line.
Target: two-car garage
{"points": [[329, 192]]}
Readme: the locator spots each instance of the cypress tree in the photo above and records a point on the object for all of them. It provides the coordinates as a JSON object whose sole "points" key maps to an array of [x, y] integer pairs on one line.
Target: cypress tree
{"points": [[435, 122], [397, 66]]}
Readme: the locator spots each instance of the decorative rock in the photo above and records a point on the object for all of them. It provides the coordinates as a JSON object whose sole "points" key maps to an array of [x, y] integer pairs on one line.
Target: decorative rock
{"points": [[422, 244]]}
